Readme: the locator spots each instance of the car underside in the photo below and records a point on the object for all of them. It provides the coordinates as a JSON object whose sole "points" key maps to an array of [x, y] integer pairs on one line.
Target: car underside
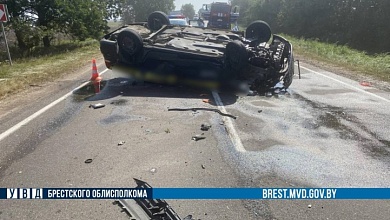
{"points": [[174, 54]]}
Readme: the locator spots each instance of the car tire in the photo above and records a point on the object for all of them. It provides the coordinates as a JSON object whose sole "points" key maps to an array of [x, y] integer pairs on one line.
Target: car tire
{"points": [[156, 20], [258, 30], [236, 57], [130, 44]]}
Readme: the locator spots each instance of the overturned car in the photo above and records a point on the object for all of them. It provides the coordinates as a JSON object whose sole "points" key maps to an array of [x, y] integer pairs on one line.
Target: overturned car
{"points": [[158, 51]]}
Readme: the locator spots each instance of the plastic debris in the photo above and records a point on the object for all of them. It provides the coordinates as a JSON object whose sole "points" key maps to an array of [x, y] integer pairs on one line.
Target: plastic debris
{"points": [[365, 83], [198, 137], [207, 101], [205, 127], [96, 106], [121, 143], [251, 93], [203, 167], [153, 170], [88, 161]]}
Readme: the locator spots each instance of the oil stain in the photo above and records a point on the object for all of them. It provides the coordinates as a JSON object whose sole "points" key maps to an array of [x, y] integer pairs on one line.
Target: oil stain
{"points": [[87, 91], [119, 102], [119, 118], [333, 117], [40, 134]]}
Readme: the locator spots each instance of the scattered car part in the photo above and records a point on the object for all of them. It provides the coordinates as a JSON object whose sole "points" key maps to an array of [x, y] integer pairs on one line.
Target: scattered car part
{"points": [[202, 109], [205, 127], [154, 209], [96, 106], [198, 137]]}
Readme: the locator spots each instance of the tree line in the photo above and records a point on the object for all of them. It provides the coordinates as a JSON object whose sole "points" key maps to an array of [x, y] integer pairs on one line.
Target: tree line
{"points": [[37, 22], [360, 24]]}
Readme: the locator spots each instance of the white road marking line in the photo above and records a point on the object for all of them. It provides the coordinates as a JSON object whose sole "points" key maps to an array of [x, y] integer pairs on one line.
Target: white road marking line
{"points": [[229, 124], [38, 113], [348, 85]]}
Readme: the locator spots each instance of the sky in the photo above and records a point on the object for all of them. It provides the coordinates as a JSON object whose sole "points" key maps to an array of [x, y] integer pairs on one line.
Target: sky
{"points": [[197, 3]]}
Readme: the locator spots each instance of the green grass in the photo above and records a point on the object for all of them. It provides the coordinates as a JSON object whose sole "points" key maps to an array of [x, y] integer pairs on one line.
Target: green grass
{"points": [[377, 66], [45, 64], [114, 25]]}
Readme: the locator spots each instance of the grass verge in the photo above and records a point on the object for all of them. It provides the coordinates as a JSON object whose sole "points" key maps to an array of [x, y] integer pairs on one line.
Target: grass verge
{"points": [[376, 66], [54, 62]]}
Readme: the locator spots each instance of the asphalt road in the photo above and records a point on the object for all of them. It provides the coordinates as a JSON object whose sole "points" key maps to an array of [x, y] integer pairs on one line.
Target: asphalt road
{"points": [[325, 131]]}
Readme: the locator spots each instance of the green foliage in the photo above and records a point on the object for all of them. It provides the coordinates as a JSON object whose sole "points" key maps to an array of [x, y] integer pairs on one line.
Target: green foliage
{"points": [[377, 65], [81, 19], [135, 10], [188, 10], [361, 24]]}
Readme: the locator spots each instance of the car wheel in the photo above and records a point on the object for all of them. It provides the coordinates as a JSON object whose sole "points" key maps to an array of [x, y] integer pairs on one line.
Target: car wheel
{"points": [[236, 57], [258, 30], [156, 20], [130, 43]]}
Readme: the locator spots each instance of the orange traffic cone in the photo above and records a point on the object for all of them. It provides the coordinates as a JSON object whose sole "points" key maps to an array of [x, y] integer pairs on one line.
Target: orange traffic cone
{"points": [[96, 85], [96, 79], [95, 73]]}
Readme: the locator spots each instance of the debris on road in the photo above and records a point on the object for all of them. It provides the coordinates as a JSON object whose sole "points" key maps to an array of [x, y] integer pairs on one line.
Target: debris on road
{"points": [[252, 93], [153, 170], [207, 101], [309, 206], [205, 127], [268, 94], [96, 106], [167, 131], [88, 161], [198, 137], [148, 208], [260, 111], [203, 167], [365, 83], [203, 109], [121, 143]]}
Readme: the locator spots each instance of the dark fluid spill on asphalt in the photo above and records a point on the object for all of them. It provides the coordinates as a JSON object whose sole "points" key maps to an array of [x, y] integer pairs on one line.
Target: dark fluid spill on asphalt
{"points": [[28, 145], [333, 117], [87, 91], [119, 102]]}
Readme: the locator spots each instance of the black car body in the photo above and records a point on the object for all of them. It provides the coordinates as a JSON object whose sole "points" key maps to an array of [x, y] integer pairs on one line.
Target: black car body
{"points": [[174, 53]]}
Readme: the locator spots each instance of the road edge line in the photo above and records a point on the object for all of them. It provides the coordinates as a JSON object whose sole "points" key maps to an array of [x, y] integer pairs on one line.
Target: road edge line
{"points": [[348, 85], [229, 124], [16, 127]]}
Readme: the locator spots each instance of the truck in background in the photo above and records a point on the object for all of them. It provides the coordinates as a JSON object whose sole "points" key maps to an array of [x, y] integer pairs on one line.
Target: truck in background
{"points": [[219, 15]]}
